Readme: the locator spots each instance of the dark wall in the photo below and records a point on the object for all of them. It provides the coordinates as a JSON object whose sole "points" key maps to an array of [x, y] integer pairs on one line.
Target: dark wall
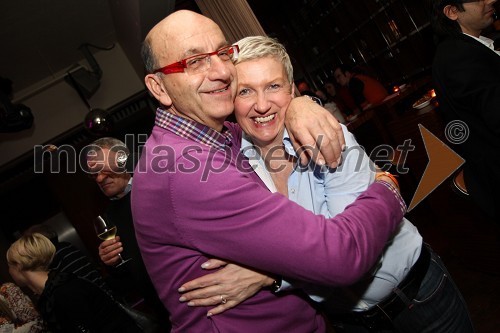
{"points": [[392, 39], [29, 196]]}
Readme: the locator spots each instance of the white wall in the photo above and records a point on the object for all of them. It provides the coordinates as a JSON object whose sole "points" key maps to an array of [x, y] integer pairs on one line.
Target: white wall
{"points": [[58, 108]]}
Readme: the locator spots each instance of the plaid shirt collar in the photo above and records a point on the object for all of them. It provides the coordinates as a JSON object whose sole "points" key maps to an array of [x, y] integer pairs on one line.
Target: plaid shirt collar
{"points": [[192, 130]]}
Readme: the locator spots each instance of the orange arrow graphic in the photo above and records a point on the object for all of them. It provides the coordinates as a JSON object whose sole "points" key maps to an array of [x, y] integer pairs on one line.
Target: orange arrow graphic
{"points": [[443, 161]]}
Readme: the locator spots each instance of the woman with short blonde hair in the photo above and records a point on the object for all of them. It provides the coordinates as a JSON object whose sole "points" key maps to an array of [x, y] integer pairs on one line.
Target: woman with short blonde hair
{"points": [[67, 303], [34, 252]]}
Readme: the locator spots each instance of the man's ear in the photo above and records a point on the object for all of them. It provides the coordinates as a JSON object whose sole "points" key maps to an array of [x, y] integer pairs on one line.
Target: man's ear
{"points": [[157, 88], [450, 12]]}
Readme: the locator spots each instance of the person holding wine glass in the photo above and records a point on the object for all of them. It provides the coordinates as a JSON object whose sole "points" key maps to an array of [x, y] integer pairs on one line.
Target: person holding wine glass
{"points": [[110, 165], [66, 302], [107, 231]]}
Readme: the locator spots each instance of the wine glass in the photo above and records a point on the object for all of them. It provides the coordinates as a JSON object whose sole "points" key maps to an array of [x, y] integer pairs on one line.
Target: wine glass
{"points": [[107, 230]]}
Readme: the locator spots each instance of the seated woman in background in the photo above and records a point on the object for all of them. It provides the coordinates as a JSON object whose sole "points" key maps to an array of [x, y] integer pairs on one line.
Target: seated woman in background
{"points": [[17, 312], [67, 303]]}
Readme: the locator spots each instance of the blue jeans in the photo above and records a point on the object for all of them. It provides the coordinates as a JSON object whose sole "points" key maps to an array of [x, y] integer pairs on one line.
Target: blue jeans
{"points": [[437, 308]]}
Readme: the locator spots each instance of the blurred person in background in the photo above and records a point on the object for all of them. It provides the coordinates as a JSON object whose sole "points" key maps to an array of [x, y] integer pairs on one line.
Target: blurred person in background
{"points": [[304, 89], [365, 90], [66, 302], [466, 72], [17, 311], [110, 165], [342, 99], [68, 258], [322, 96]]}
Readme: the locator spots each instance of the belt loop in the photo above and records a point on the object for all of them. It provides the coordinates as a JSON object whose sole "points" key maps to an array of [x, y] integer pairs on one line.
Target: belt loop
{"points": [[402, 296]]}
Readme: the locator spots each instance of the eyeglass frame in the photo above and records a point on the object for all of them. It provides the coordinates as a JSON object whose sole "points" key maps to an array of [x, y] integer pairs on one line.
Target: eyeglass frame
{"points": [[181, 66]]}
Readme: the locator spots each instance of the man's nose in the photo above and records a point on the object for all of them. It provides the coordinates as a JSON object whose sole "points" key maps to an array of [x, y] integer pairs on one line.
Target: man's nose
{"points": [[100, 177], [219, 68]]}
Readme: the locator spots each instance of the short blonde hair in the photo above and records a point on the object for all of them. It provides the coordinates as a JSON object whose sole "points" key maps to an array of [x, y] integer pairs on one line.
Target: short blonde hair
{"points": [[256, 47], [31, 253]]}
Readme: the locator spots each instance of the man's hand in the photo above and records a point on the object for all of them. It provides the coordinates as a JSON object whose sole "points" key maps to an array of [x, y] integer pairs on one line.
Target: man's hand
{"points": [[311, 127], [226, 288], [109, 250]]}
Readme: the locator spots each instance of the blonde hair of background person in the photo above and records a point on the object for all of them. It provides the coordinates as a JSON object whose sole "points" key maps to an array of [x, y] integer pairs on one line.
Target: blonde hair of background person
{"points": [[34, 252], [67, 303]]}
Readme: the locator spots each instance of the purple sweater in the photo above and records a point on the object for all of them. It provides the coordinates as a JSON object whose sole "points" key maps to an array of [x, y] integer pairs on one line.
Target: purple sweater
{"points": [[184, 215]]}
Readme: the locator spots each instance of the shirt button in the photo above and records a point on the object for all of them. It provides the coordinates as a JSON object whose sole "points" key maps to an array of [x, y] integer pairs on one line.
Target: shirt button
{"points": [[292, 190]]}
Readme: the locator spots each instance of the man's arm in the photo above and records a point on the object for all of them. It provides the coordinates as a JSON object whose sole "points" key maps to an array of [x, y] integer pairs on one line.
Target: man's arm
{"points": [[341, 188], [229, 214], [315, 132], [270, 227], [236, 218]]}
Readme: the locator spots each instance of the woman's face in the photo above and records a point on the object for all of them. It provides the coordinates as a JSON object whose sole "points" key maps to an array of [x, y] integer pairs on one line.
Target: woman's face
{"points": [[17, 275], [262, 98], [330, 89]]}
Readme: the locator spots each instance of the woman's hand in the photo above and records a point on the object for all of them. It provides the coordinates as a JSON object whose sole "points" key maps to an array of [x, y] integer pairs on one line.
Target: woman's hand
{"points": [[225, 288]]}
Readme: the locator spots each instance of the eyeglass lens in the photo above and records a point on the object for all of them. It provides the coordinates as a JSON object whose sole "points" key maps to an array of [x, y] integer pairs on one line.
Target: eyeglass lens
{"points": [[201, 62]]}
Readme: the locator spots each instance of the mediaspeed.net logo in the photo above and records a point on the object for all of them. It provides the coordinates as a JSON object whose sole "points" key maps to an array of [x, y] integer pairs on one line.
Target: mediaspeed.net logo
{"points": [[443, 161]]}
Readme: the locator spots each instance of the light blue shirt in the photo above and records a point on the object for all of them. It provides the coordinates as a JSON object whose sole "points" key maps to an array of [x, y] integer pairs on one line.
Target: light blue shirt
{"points": [[328, 192]]}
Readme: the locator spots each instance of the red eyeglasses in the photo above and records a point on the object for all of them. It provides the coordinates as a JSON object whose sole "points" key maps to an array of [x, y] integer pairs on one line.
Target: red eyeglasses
{"points": [[200, 62]]}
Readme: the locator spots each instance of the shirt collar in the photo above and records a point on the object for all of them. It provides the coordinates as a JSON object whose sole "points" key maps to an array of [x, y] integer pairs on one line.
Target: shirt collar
{"points": [[126, 191], [257, 162], [489, 43], [248, 148], [192, 130]]}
